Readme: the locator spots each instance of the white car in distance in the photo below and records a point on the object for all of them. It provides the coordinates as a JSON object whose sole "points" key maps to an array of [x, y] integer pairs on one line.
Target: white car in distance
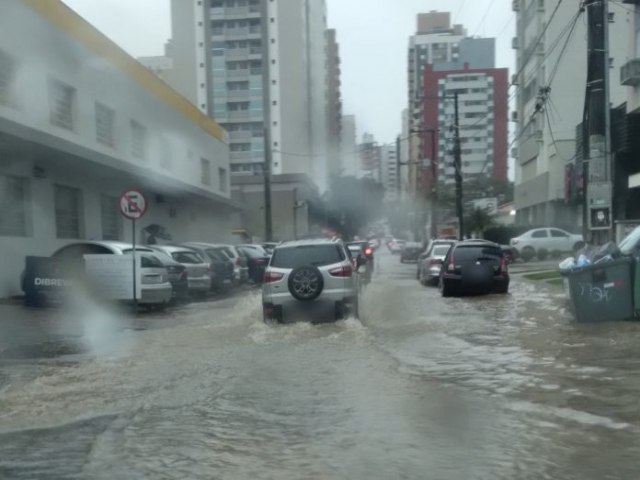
{"points": [[541, 241]]}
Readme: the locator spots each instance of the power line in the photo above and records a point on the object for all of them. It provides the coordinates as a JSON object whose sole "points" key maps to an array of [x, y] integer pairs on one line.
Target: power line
{"points": [[455, 17], [538, 40], [486, 12], [553, 140], [562, 51]]}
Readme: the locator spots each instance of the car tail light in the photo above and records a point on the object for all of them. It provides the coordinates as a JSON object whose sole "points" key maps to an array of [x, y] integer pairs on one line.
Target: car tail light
{"points": [[368, 251], [271, 277], [514, 241], [504, 264], [452, 264], [435, 261], [345, 271]]}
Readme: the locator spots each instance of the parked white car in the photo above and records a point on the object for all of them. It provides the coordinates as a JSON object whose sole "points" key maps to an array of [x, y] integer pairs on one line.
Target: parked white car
{"points": [[530, 243]]}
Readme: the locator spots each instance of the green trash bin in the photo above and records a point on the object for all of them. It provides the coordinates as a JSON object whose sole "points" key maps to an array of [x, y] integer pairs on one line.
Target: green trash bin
{"points": [[603, 291]]}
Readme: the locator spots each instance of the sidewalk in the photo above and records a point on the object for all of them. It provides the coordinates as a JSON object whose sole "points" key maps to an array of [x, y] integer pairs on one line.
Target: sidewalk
{"points": [[520, 267]]}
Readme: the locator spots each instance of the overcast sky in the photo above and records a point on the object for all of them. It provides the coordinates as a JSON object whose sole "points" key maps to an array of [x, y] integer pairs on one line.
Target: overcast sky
{"points": [[373, 37]]}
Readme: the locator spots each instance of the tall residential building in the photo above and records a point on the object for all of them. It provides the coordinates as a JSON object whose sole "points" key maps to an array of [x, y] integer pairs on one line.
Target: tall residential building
{"points": [[404, 154], [545, 143], [334, 104], [445, 47], [389, 171], [264, 68], [483, 117], [370, 157], [349, 159]]}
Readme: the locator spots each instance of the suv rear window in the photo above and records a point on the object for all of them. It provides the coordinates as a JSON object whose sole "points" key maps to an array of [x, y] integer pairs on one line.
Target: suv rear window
{"points": [[474, 253], [440, 250], [317, 255]]}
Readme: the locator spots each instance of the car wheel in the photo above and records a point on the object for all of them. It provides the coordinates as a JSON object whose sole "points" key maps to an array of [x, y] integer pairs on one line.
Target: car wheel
{"points": [[527, 254], [306, 283]]}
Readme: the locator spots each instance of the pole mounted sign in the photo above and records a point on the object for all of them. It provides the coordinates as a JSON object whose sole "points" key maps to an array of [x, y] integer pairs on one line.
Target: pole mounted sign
{"points": [[133, 205]]}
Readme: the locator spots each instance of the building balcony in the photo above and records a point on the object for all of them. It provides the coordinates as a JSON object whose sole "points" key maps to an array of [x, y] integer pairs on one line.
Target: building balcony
{"points": [[240, 135], [630, 72], [236, 13]]}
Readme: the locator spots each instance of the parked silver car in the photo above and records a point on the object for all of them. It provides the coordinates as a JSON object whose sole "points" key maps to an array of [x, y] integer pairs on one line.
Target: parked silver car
{"points": [[309, 277], [155, 286], [240, 268], [431, 265], [198, 270]]}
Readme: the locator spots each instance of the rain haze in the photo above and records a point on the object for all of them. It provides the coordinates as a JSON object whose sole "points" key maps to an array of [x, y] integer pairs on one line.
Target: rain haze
{"points": [[373, 37]]}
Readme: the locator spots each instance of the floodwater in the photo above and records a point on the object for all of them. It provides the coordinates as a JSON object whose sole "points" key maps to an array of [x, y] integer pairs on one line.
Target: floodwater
{"points": [[496, 387]]}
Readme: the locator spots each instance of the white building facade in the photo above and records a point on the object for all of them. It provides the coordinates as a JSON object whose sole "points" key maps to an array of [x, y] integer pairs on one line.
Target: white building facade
{"points": [[546, 142], [264, 68], [475, 109], [349, 158], [80, 123], [389, 171]]}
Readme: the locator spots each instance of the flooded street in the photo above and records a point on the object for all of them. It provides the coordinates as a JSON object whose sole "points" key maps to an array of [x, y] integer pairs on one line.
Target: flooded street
{"points": [[422, 387]]}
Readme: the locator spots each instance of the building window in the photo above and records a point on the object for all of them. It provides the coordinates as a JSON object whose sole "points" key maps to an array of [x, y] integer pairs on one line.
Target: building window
{"points": [[205, 171], [110, 218], [67, 202], [7, 75], [222, 179], [13, 206], [138, 140], [105, 119], [62, 100]]}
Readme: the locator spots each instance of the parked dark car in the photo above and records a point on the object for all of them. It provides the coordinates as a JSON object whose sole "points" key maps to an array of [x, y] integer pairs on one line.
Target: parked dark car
{"points": [[474, 266], [222, 268], [257, 261], [410, 252]]}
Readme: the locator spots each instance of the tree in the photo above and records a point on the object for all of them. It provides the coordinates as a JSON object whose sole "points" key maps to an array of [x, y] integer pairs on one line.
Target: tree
{"points": [[478, 221]]}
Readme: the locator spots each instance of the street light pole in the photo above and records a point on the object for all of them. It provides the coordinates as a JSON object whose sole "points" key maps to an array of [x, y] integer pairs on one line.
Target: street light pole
{"points": [[434, 177], [457, 161]]}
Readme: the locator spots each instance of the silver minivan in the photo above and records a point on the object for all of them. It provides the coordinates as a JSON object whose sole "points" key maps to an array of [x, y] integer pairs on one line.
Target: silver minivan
{"points": [[310, 278]]}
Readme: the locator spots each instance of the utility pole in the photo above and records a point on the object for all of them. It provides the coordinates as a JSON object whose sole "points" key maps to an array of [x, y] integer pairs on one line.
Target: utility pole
{"points": [[434, 186], [266, 106], [598, 168], [457, 163], [268, 227]]}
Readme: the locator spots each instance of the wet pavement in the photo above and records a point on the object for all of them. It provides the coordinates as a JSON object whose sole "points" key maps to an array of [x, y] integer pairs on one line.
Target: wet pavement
{"points": [[496, 387]]}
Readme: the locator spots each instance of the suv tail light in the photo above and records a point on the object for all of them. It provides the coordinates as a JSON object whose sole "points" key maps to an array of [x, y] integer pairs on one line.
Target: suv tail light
{"points": [[452, 263], [271, 277], [345, 271]]}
